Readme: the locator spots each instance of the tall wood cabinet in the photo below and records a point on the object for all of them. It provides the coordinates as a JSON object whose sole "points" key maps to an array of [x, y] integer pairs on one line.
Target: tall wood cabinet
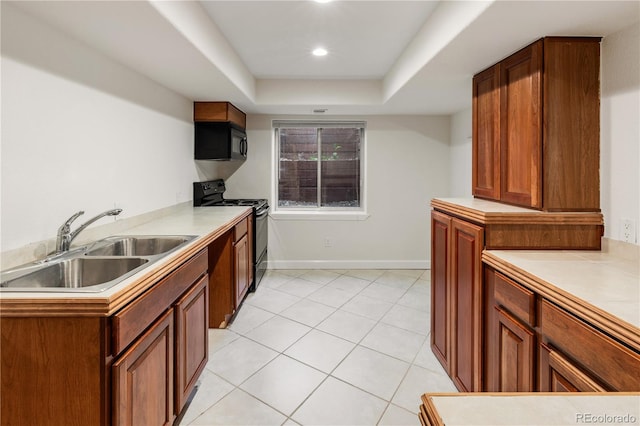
{"points": [[536, 126], [457, 298]]}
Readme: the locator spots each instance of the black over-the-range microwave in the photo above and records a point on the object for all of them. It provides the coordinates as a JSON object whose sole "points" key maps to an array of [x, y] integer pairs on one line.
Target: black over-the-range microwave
{"points": [[219, 141]]}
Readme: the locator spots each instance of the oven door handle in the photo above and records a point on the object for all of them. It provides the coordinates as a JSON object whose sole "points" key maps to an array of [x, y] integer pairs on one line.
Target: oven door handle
{"points": [[261, 213]]}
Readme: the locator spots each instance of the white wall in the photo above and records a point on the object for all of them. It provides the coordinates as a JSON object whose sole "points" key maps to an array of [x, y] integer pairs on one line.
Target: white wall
{"points": [[620, 131], [407, 160], [81, 132], [460, 164]]}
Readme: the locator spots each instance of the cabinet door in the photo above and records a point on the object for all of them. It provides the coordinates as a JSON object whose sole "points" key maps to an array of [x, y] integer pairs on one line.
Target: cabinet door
{"points": [[467, 242], [440, 297], [521, 127], [558, 374], [143, 378], [241, 268], [192, 326], [515, 357], [486, 134]]}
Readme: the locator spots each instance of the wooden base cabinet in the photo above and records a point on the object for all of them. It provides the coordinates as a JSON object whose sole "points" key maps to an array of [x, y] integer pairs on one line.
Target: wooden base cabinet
{"points": [[134, 367], [192, 350], [143, 378], [510, 337], [456, 336], [532, 344], [241, 261], [231, 272]]}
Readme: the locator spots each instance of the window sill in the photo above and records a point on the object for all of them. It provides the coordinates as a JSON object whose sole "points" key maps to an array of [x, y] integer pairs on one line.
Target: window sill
{"points": [[316, 215]]}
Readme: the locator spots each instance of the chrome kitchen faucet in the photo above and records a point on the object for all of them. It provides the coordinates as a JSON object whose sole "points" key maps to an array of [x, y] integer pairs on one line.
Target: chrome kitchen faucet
{"points": [[65, 236]]}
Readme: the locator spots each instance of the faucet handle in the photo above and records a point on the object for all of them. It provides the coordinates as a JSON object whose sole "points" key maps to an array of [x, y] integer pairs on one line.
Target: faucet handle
{"points": [[68, 222]]}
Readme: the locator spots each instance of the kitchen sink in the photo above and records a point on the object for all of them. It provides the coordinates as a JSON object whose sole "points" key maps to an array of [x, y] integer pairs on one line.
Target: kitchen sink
{"points": [[136, 246], [92, 268], [78, 272]]}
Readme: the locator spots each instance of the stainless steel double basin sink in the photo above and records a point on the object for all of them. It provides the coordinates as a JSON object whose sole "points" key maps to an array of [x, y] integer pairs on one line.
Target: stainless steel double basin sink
{"points": [[92, 268]]}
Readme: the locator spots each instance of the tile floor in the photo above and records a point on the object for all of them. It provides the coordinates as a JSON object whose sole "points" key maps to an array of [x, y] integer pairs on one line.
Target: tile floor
{"points": [[319, 347]]}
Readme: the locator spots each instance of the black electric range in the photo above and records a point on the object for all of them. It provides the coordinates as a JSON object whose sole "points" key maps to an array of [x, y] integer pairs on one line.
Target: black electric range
{"points": [[210, 194]]}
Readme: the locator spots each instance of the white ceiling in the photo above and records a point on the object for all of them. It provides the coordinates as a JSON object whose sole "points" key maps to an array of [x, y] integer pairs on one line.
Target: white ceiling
{"points": [[385, 57]]}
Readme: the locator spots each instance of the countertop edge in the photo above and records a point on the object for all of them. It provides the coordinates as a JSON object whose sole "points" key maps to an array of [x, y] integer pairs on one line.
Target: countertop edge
{"points": [[518, 216], [610, 324], [103, 306]]}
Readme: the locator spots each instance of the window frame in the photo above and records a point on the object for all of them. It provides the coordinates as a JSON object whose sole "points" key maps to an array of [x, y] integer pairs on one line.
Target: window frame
{"points": [[318, 212]]}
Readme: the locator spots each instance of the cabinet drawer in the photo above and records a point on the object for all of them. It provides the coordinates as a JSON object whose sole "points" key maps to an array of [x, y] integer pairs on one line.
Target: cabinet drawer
{"points": [[138, 315], [515, 298], [240, 230], [608, 360]]}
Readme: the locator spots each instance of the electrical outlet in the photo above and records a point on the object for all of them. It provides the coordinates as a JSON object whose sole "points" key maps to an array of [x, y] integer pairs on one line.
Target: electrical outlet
{"points": [[628, 231], [328, 242]]}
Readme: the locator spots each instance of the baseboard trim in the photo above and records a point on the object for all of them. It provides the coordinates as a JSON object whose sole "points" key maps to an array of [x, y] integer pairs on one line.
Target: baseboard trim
{"points": [[348, 264]]}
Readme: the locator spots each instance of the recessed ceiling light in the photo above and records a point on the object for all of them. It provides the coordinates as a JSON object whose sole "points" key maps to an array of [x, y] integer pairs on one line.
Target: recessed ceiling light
{"points": [[322, 1], [319, 51]]}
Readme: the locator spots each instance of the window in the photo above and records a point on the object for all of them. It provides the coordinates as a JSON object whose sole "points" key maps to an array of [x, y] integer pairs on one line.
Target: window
{"points": [[319, 165]]}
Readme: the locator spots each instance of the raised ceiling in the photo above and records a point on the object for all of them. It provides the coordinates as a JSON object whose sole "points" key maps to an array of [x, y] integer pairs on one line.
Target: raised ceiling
{"points": [[385, 57]]}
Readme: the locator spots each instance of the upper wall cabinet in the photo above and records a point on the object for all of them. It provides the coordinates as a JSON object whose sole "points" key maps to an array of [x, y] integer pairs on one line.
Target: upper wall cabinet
{"points": [[536, 126], [219, 111]]}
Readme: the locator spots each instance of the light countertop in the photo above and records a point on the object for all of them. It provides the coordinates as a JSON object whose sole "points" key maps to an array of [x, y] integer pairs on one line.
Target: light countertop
{"points": [[535, 409], [205, 223], [604, 285]]}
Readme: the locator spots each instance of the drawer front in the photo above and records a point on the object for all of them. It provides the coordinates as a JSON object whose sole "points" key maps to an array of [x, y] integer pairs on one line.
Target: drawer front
{"points": [[610, 361], [131, 321], [240, 230], [515, 298]]}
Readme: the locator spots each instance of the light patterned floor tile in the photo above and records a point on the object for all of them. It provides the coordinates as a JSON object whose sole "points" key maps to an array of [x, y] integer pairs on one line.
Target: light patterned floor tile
{"points": [[308, 312], [419, 381], [239, 360], [220, 337], [240, 408], [372, 371], [423, 286], [210, 389], [408, 319], [320, 276], [346, 325], [320, 350], [396, 280], [349, 284], [248, 318], [387, 317], [278, 333], [330, 296], [272, 300], [414, 273], [367, 307], [396, 416], [284, 383], [299, 287], [273, 279], [394, 341], [365, 274], [416, 299], [383, 292], [337, 403], [425, 357]]}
